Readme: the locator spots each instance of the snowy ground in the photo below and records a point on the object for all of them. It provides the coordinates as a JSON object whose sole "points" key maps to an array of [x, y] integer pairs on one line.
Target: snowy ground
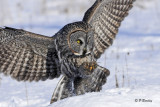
{"points": [[135, 55]]}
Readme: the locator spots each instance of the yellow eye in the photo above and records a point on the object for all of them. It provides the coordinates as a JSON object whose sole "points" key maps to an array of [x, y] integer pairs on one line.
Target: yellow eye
{"points": [[79, 41]]}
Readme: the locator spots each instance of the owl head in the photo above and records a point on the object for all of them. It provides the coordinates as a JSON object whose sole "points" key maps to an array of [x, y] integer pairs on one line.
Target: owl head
{"points": [[76, 39]]}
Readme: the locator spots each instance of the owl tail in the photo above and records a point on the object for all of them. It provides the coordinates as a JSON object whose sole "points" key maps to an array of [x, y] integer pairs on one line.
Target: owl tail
{"points": [[93, 83]]}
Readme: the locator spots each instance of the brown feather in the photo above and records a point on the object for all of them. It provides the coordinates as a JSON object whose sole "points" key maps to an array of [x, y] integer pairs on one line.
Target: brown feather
{"points": [[24, 55], [105, 16]]}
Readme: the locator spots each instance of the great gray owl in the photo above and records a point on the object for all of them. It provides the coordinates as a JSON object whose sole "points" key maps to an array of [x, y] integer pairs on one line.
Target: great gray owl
{"points": [[72, 52]]}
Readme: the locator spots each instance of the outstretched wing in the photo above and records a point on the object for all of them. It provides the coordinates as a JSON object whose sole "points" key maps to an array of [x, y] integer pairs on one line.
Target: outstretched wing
{"points": [[27, 56], [106, 16]]}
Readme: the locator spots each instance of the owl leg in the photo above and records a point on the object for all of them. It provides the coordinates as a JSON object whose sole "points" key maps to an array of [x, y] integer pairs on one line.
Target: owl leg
{"points": [[63, 90], [93, 83]]}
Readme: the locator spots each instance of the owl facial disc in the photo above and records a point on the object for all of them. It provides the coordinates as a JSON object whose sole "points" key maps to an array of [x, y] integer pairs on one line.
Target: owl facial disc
{"points": [[81, 43]]}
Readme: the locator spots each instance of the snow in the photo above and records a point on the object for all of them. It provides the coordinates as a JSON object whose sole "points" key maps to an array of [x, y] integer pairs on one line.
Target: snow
{"points": [[134, 57], [123, 97]]}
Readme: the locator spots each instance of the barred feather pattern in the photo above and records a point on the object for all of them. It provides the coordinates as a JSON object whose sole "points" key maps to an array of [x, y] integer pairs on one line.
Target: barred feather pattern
{"points": [[105, 16], [93, 83], [63, 90], [25, 56]]}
